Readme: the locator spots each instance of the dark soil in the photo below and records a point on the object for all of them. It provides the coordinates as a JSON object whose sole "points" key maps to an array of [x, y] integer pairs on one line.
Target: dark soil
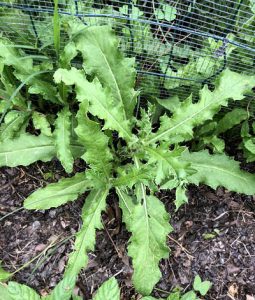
{"points": [[227, 259]]}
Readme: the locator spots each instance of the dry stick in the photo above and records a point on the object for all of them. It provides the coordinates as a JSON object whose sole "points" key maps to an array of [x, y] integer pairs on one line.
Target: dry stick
{"points": [[180, 245], [10, 213], [171, 269], [34, 258], [115, 247], [43, 259]]}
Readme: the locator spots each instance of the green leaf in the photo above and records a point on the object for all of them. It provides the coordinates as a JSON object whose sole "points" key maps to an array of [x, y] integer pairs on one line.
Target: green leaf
{"points": [[24, 69], [180, 196], [219, 170], [25, 150], [109, 290], [39, 85], [231, 119], [174, 296], [4, 292], [102, 58], [245, 130], [74, 297], [171, 103], [97, 154], [4, 275], [135, 11], [63, 290], [21, 292], [180, 126], [14, 121], [56, 28], [149, 225], [68, 54], [208, 236], [217, 143], [250, 145], [168, 163], [189, 296], [41, 123], [62, 135], [101, 103], [86, 237], [201, 286], [56, 194], [166, 12], [129, 176]]}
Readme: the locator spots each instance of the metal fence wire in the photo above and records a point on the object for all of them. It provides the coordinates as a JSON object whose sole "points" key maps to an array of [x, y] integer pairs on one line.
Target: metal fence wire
{"points": [[179, 45]]}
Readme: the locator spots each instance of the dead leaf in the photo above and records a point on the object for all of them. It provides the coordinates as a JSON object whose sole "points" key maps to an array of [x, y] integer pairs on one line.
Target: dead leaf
{"points": [[40, 247], [232, 269], [233, 204], [44, 293], [178, 252], [61, 264], [188, 224], [233, 290]]}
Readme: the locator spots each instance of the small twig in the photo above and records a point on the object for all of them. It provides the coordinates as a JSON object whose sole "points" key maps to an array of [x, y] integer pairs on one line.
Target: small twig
{"points": [[182, 248], [171, 269], [10, 213], [221, 215], [114, 245], [235, 241], [245, 248], [34, 258], [116, 274]]}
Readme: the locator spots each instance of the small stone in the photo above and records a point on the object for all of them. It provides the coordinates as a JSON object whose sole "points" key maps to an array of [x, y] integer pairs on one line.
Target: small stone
{"points": [[52, 213], [36, 225]]}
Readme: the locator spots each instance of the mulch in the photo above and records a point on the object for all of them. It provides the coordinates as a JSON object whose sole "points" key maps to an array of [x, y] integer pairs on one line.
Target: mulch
{"points": [[214, 237]]}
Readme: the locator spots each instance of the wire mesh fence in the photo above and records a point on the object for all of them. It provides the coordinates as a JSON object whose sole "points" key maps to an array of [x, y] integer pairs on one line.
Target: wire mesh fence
{"points": [[179, 45]]}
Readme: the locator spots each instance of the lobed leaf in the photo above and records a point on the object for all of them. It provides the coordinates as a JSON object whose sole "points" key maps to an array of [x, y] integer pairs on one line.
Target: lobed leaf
{"points": [[231, 119], [109, 290], [13, 124], [63, 290], [56, 194], [97, 154], [4, 275], [62, 139], [40, 122], [24, 69], [149, 224], [168, 164], [25, 150], [219, 170], [69, 52], [180, 126], [180, 196], [103, 59], [4, 292], [19, 291], [86, 237], [128, 175], [101, 103]]}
